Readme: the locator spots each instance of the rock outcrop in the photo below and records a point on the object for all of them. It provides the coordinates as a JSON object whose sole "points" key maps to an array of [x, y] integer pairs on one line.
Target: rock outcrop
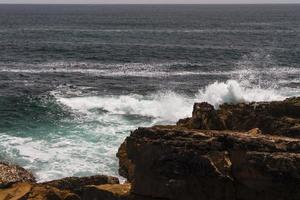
{"points": [[10, 174], [107, 192], [278, 117], [170, 162], [72, 188], [27, 191], [77, 184], [248, 151], [238, 152]]}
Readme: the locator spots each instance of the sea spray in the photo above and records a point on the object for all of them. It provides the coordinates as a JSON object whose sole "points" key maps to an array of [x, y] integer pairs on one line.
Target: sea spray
{"points": [[165, 106], [86, 139], [106, 80], [234, 92]]}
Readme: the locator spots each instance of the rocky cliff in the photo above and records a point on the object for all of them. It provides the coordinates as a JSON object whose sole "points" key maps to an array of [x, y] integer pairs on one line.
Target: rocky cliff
{"points": [[168, 162], [278, 117], [10, 174], [237, 152], [72, 188]]}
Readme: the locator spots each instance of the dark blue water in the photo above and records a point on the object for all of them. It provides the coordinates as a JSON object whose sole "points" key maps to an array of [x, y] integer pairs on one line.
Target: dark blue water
{"points": [[75, 79]]}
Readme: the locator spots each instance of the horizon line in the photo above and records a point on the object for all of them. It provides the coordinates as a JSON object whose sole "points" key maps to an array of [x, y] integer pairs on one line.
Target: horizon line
{"points": [[149, 3]]}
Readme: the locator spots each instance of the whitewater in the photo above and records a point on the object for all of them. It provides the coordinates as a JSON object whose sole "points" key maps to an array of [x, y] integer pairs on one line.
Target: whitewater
{"points": [[75, 80], [87, 143]]}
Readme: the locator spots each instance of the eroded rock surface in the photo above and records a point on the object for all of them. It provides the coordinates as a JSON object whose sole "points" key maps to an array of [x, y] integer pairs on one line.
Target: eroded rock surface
{"points": [[172, 162], [76, 184], [71, 188], [27, 191], [278, 117], [10, 174], [107, 192]]}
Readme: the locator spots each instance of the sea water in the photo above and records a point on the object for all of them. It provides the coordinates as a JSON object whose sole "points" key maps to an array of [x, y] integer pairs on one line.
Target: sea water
{"points": [[76, 79]]}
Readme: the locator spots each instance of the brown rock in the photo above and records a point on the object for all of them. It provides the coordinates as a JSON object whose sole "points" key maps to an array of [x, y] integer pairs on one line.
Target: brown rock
{"points": [[171, 162], [107, 192], [278, 117], [42, 192], [28, 191], [64, 189], [254, 132], [10, 174], [15, 193], [126, 167], [76, 184]]}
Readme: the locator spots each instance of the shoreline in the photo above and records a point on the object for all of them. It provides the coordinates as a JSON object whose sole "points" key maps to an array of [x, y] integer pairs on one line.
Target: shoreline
{"points": [[244, 151]]}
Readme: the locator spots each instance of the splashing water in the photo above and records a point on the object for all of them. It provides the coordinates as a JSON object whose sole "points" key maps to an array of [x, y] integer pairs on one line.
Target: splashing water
{"points": [[71, 90], [167, 106], [86, 141], [233, 92]]}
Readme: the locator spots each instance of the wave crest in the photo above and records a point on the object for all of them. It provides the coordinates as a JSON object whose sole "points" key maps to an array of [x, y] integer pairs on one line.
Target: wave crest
{"points": [[234, 92], [168, 106]]}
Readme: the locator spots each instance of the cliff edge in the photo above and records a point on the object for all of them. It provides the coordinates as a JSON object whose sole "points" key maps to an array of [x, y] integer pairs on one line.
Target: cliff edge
{"points": [[239, 152], [247, 151]]}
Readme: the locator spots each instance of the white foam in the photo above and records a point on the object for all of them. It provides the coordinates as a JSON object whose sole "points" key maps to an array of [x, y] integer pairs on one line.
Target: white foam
{"points": [[167, 106], [234, 92], [248, 68], [170, 106], [100, 69], [74, 154], [87, 145]]}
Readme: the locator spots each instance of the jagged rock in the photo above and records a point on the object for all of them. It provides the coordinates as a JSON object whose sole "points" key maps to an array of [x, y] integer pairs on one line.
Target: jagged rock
{"points": [[172, 162], [29, 191], [254, 132], [44, 192], [76, 184], [278, 117], [17, 192], [126, 167], [10, 174], [107, 192], [70, 188]]}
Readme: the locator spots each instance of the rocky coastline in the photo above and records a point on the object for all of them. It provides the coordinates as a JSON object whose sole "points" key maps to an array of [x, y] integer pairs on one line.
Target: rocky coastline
{"points": [[246, 151]]}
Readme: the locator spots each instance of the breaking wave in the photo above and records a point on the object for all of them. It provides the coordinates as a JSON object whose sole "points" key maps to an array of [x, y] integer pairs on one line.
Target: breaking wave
{"points": [[170, 106], [234, 92], [167, 106], [101, 123]]}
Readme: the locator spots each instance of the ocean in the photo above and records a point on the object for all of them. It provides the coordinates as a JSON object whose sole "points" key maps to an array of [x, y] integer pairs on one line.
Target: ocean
{"points": [[76, 79]]}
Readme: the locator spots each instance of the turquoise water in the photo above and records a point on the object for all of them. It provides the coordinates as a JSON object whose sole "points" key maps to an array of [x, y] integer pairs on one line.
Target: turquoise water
{"points": [[75, 80]]}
